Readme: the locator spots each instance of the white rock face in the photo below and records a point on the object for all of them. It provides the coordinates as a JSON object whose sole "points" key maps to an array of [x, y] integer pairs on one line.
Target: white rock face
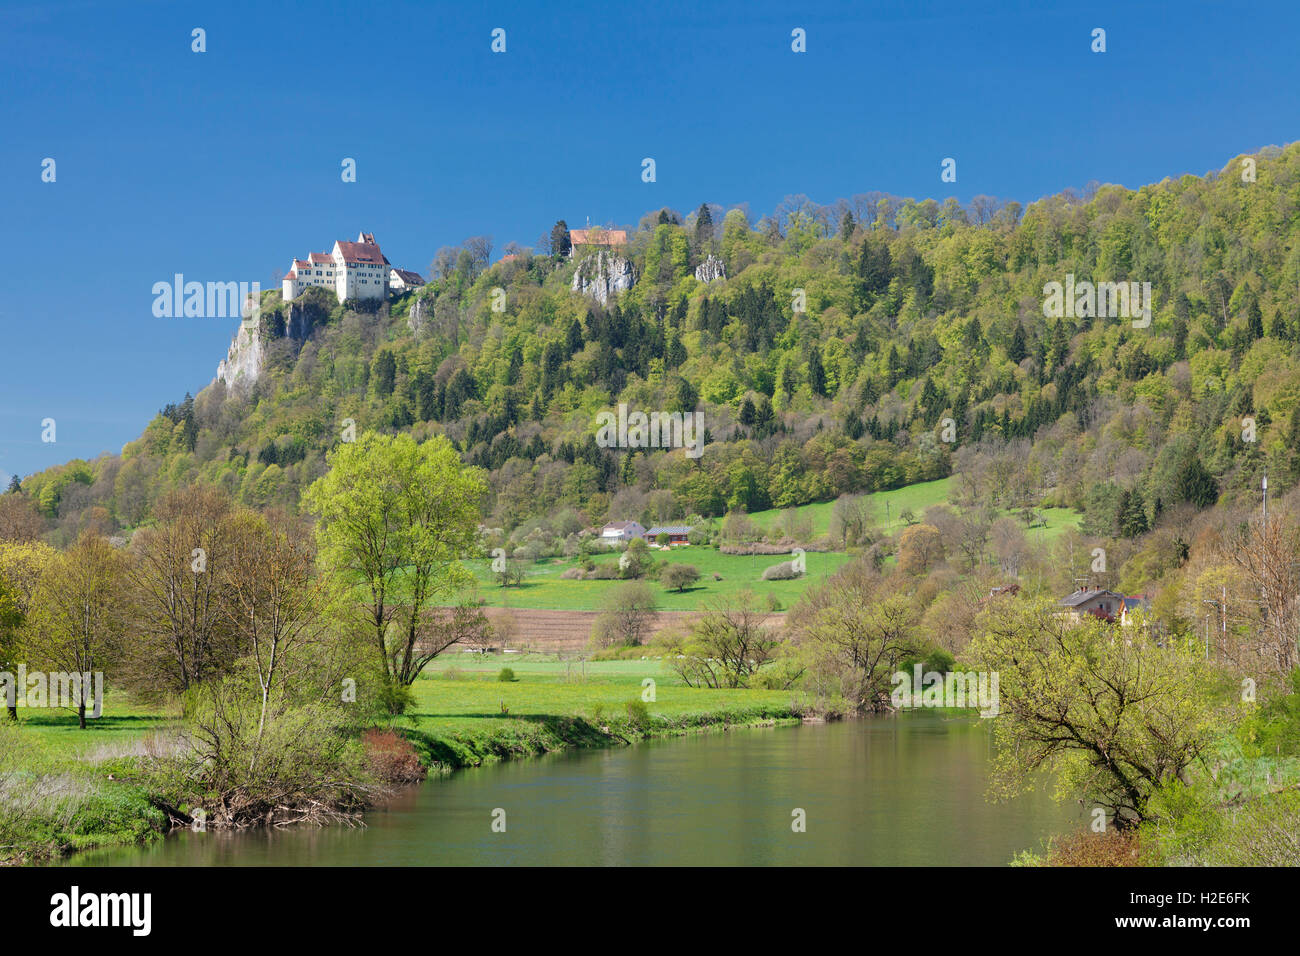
{"points": [[243, 362], [603, 275], [711, 269], [419, 314]]}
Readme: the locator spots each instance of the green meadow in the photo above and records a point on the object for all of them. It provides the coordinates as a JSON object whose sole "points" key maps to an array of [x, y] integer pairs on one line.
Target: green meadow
{"points": [[543, 587], [890, 505], [466, 715], [724, 575]]}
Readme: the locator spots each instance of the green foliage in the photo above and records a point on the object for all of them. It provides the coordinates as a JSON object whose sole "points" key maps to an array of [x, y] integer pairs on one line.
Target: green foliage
{"points": [[907, 323], [395, 518], [678, 577], [507, 675]]}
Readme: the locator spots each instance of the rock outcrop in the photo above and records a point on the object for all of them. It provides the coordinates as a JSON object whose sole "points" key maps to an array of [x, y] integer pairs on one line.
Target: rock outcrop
{"points": [[295, 320], [711, 269], [603, 275], [243, 362]]}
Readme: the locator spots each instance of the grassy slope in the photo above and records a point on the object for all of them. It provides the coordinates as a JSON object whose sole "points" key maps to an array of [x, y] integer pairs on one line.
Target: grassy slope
{"points": [[544, 589], [915, 498]]}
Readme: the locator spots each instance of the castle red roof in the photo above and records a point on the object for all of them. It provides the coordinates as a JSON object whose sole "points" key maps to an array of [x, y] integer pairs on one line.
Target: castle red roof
{"points": [[361, 252], [601, 237]]}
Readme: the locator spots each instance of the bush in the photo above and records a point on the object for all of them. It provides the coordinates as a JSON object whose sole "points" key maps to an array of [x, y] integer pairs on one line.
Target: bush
{"points": [[1112, 848], [784, 571], [628, 617], [638, 715], [303, 764], [678, 577], [507, 675], [390, 757], [395, 698], [939, 661]]}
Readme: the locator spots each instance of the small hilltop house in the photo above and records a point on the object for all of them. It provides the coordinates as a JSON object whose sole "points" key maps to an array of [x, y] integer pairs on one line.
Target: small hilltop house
{"points": [[595, 238], [677, 534], [1097, 602], [623, 531], [401, 280]]}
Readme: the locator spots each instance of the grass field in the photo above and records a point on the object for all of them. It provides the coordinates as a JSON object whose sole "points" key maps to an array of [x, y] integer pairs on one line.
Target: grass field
{"points": [[888, 506], [458, 694], [554, 704], [122, 724], [916, 498], [455, 694], [543, 587]]}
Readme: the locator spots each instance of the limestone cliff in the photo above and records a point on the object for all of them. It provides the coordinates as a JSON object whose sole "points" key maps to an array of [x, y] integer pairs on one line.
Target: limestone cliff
{"points": [[603, 275], [711, 269], [243, 362], [294, 320]]}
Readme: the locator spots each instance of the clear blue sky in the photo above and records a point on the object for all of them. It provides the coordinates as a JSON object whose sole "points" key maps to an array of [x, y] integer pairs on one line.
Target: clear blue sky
{"points": [[223, 165]]}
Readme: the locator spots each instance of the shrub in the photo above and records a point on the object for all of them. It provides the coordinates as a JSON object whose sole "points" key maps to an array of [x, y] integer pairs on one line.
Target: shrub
{"points": [[678, 577], [395, 698], [390, 757], [628, 617], [1112, 848], [507, 675], [940, 661], [785, 571], [303, 764], [638, 715]]}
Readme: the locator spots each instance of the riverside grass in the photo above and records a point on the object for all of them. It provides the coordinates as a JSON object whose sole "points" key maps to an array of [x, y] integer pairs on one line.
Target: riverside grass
{"points": [[463, 716], [554, 705]]}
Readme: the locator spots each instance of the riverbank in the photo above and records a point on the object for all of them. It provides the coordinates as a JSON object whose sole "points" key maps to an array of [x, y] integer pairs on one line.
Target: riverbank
{"points": [[874, 792], [465, 715], [77, 782]]}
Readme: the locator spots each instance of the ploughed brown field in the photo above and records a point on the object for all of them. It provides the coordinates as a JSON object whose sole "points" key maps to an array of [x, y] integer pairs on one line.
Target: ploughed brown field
{"points": [[569, 632]]}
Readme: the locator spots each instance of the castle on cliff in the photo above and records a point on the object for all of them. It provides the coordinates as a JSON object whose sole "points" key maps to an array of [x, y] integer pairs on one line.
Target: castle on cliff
{"points": [[354, 270]]}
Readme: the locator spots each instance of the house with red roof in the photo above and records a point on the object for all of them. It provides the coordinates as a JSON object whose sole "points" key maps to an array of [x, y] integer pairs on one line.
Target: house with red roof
{"points": [[595, 238], [401, 280]]}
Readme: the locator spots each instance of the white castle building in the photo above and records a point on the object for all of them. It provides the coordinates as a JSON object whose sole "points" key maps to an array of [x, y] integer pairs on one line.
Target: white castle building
{"points": [[354, 270]]}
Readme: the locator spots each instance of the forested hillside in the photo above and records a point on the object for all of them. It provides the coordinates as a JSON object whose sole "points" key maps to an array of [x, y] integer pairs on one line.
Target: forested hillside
{"points": [[824, 362]]}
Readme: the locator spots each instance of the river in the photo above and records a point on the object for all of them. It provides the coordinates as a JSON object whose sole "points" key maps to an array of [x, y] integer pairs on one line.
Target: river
{"points": [[888, 791]]}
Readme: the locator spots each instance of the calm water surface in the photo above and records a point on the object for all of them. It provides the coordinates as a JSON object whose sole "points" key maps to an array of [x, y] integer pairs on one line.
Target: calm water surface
{"points": [[888, 791]]}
